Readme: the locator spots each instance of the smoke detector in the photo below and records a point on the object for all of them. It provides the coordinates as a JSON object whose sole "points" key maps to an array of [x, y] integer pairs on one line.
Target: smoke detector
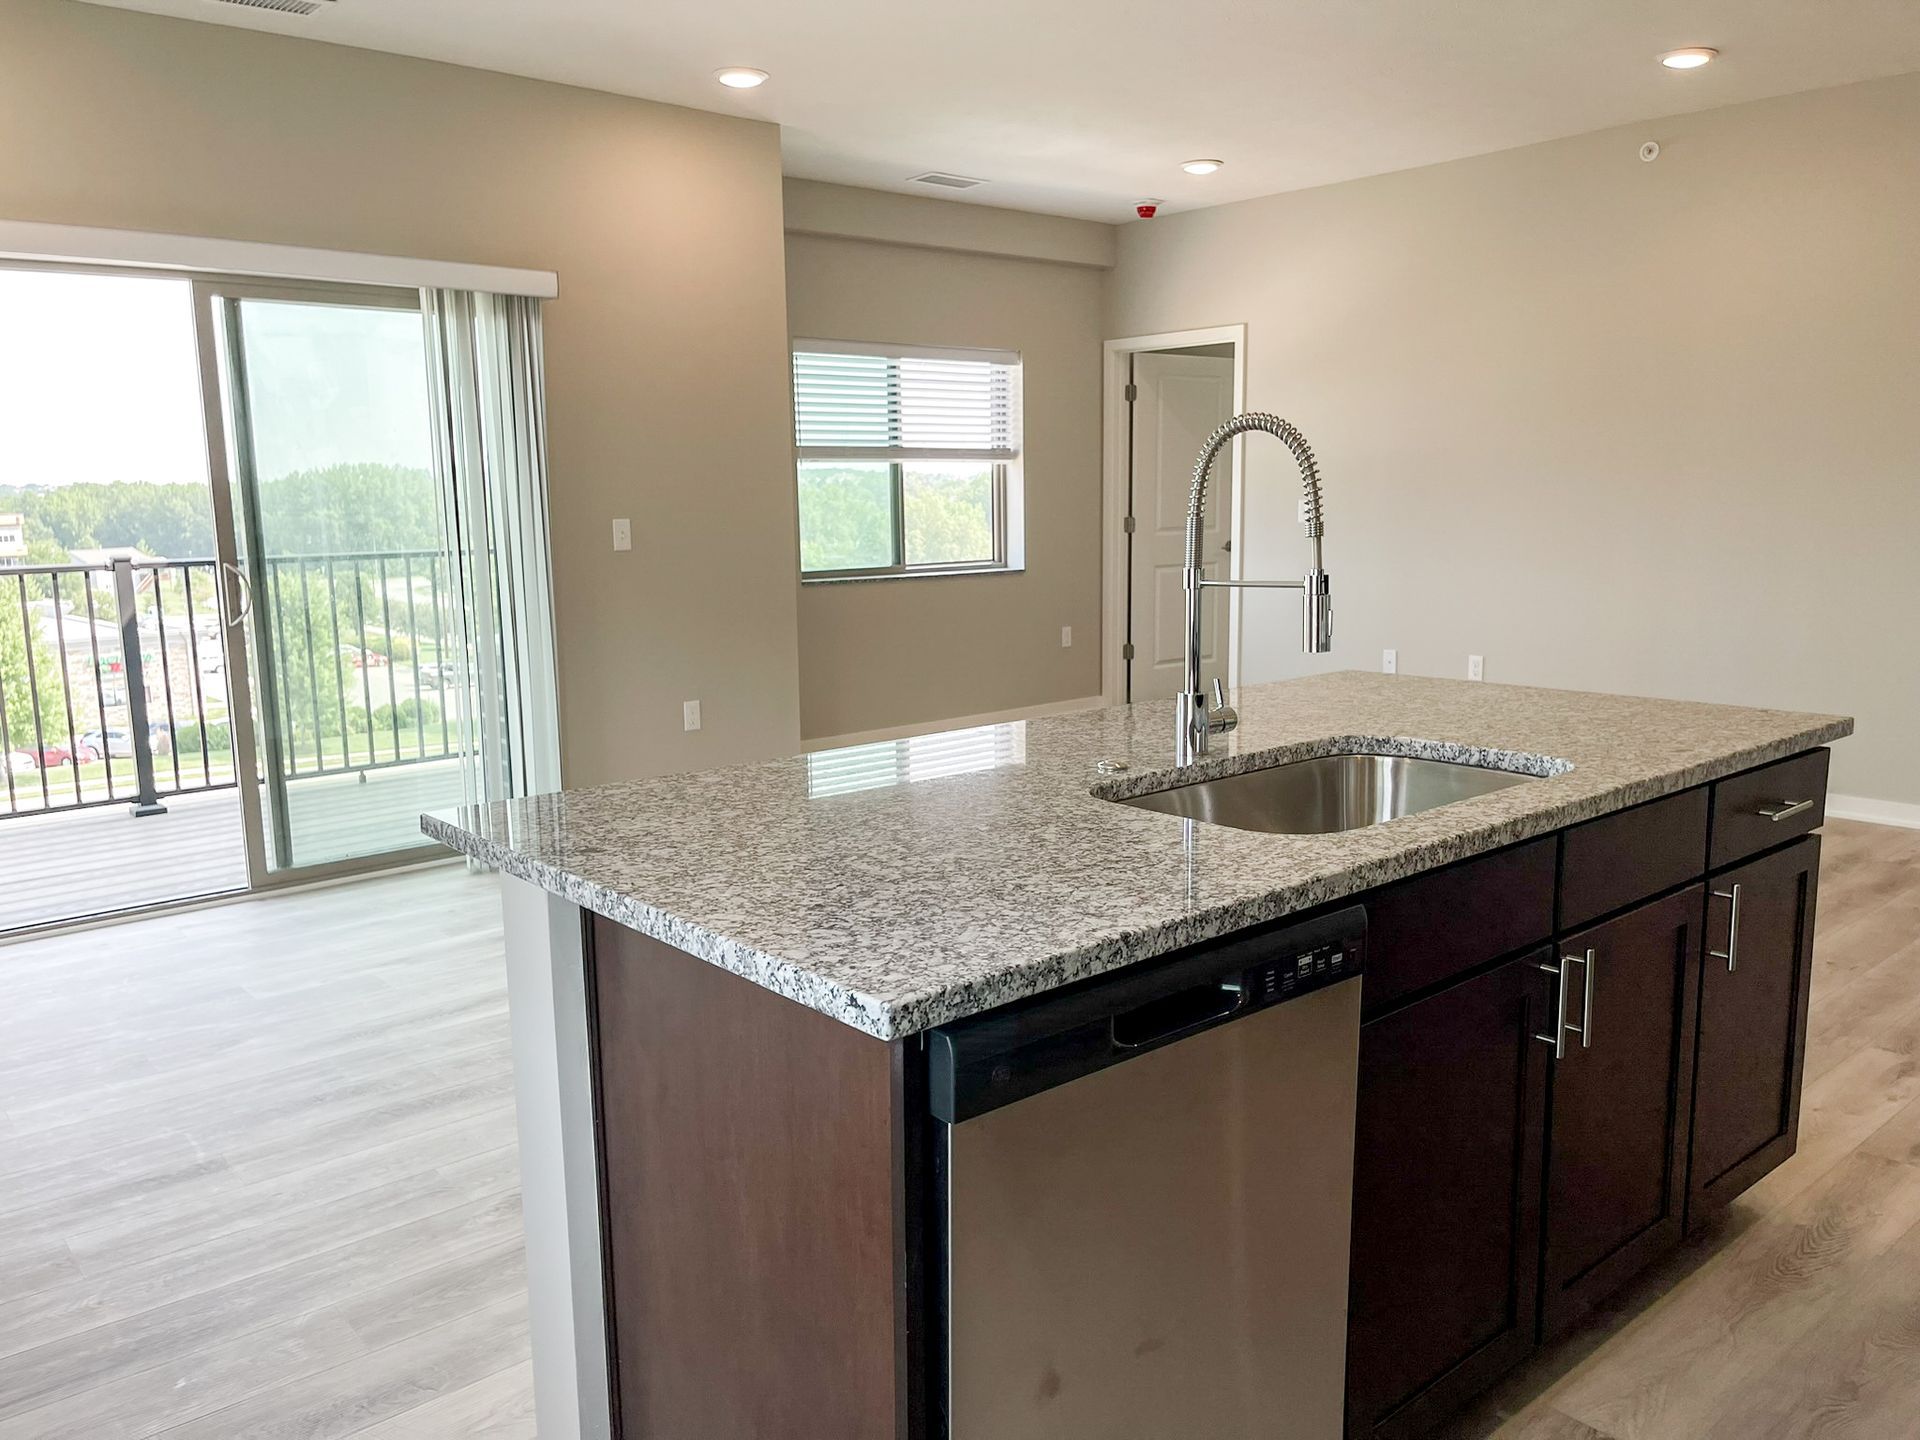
{"points": [[946, 181], [300, 8]]}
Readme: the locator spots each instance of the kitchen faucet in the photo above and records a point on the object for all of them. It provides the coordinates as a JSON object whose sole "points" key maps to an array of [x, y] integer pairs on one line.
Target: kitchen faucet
{"points": [[1196, 719]]}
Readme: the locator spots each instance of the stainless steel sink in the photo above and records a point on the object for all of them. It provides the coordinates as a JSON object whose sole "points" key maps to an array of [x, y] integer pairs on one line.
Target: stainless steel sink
{"points": [[1329, 793]]}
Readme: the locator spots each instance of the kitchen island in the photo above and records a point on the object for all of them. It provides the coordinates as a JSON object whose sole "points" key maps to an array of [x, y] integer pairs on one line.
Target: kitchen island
{"points": [[723, 985]]}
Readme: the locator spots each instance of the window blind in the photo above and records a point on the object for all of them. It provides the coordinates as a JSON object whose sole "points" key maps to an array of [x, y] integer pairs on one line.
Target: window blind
{"points": [[855, 404]]}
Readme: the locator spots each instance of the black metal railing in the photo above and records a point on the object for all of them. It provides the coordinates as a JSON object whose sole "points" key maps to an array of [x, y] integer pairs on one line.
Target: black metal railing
{"points": [[114, 685]]}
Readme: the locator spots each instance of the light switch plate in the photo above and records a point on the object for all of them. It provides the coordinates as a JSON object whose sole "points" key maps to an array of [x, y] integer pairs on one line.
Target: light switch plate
{"points": [[623, 534]]}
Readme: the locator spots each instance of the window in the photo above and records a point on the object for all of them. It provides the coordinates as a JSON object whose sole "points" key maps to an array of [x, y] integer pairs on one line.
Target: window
{"points": [[908, 459]]}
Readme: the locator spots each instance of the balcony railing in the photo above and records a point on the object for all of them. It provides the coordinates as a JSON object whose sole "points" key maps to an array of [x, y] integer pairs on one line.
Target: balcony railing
{"points": [[114, 683]]}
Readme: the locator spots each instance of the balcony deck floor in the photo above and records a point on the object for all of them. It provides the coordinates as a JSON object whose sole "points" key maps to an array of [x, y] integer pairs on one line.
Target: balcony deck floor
{"points": [[68, 865]]}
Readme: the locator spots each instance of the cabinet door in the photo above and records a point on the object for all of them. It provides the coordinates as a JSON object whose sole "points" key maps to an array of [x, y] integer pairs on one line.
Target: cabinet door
{"points": [[1446, 1200], [1753, 1022], [1621, 1101]]}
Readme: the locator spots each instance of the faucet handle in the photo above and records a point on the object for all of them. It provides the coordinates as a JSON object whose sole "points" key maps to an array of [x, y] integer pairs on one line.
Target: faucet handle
{"points": [[1220, 715]]}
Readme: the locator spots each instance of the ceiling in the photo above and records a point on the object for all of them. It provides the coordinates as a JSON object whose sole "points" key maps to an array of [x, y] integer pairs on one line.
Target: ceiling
{"points": [[1083, 107]]}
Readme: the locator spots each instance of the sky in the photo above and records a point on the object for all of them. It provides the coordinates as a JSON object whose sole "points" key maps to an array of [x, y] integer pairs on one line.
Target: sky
{"points": [[99, 382]]}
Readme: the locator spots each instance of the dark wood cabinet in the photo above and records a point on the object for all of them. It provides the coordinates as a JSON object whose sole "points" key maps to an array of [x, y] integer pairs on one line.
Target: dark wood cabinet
{"points": [[1620, 1101], [1753, 1022], [1501, 1192], [1621, 859], [1446, 1202]]}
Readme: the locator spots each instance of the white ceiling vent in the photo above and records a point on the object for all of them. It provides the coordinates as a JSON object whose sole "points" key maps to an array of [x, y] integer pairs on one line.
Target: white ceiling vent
{"points": [[283, 7], [932, 177]]}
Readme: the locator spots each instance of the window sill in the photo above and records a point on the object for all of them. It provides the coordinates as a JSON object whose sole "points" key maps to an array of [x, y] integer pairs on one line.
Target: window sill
{"points": [[970, 572]]}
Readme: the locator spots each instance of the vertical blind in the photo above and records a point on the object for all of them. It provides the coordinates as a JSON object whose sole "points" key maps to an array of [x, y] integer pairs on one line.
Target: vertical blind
{"points": [[487, 387], [860, 403]]}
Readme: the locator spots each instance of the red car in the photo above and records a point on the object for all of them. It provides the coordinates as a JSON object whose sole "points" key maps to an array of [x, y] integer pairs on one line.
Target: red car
{"points": [[80, 753]]}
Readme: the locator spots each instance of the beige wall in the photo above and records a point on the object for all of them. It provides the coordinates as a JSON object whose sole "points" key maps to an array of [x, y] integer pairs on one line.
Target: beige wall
{"points": [[1620, 426], [927, 222], [882, 653], [666, 351]]}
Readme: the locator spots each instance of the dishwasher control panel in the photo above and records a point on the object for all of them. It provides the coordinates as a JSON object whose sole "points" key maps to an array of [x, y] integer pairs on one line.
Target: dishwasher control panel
{"points": [[1306, 969]]}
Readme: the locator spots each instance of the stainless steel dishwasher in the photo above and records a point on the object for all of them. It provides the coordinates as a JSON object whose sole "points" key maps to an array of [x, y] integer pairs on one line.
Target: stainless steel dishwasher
{"points": [[1146, 1190]]}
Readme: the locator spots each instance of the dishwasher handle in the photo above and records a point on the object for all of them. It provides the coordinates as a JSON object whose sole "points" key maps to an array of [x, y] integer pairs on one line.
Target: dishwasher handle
{"points": [[1177, 1014], [1004, 1055]]}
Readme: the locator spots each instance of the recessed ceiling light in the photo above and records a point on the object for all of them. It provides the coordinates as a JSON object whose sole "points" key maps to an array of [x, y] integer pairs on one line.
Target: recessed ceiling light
{"points": [[1691, 58], [1201, 167], [740, 77]]}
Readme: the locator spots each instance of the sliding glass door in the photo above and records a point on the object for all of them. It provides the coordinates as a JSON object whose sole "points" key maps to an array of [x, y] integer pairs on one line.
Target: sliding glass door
{"points": [[331, 537]]}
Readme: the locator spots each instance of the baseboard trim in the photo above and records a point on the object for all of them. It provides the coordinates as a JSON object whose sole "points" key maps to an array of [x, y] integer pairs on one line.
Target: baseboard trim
{"points": [[1873, 812], [958, 722]]}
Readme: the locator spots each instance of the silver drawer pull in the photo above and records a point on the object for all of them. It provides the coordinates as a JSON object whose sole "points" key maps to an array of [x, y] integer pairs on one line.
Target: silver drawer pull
{"points": [[1558, 1037], [1732, 953], [1785, 810], [1586, 1004]]}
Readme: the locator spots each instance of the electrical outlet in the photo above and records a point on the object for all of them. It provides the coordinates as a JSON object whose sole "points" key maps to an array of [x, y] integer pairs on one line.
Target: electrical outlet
{"points": [[1389, 662], [623, 534], [1476, 667], [690, 714], [1066, 637]]}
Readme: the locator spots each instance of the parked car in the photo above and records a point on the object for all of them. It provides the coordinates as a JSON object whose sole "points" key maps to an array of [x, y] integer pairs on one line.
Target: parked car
{"points": [[21, 762], [80, 753], [119, 743]]}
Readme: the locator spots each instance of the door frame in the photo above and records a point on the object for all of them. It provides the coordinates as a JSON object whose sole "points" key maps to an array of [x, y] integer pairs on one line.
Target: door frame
{"points": [[216, 302], [1114, 459]]}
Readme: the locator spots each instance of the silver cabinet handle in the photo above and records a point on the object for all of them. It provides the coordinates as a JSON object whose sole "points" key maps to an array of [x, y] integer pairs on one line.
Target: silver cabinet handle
{"points": [[1586, 1004], [1558, 1037], [1785, 810], [1732, 953]]}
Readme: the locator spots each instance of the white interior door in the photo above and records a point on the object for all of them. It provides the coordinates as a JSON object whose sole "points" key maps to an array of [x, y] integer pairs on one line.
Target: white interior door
{"points": [[1179, 401]]}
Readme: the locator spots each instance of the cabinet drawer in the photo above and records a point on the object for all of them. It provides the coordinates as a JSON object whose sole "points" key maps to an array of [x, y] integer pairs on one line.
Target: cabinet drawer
{"points": [[1745, 806], [1438, 925], [1611, 862]]}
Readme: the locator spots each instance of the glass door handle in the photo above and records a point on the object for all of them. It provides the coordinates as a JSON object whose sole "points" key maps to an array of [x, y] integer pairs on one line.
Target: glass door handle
{"points": [[232, 616]]}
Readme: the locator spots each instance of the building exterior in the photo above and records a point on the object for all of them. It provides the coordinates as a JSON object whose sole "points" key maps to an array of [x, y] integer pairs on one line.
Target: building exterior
{"points": [[13, 539]]}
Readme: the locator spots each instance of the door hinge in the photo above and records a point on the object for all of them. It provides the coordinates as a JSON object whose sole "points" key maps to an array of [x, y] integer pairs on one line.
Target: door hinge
{"points": [[1126, 525], [1133, 392], [1126, 651]]}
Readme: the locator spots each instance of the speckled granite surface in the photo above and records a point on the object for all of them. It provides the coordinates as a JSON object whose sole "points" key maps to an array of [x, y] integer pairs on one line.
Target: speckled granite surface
{"points": [[902, 885]]}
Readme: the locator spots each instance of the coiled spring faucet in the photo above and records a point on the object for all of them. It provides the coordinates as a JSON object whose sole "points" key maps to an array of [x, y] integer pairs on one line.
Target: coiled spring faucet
{"points": [[1197, 718]]}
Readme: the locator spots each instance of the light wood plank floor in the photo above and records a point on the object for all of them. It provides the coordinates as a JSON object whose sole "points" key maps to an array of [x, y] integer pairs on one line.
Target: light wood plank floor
{"points": [[258, 1174], [1798, 1314], [258, 1178]]}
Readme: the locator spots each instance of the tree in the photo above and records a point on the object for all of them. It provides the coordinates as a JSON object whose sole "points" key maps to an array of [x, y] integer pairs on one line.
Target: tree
{"points": [[346, 507], [308, 667], [846, 514], [21, 683]]}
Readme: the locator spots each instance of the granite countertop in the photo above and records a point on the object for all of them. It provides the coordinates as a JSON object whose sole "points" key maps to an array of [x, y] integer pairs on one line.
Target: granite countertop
{"points": [[901, 885]]}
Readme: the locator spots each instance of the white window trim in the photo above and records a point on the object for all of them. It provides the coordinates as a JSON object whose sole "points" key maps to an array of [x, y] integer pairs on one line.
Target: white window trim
{"points": [[197, 254], [1009, 477]]}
